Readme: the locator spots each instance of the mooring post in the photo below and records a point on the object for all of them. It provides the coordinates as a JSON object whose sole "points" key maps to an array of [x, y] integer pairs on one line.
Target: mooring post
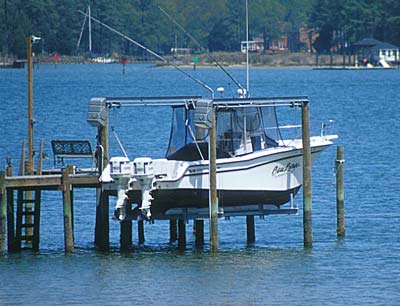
{"points": [[36, 223], [214, 243], [102, 236], [3, 212], [340, 224], [126, 233], [10, 213], [173, 234], [307, 201], [199, 232], [251, 236], [22, 160], [141, 238], [181, 233], [30, 105], [67, 205]]}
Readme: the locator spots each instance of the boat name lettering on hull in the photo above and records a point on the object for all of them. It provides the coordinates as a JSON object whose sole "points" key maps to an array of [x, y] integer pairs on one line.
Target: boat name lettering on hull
{"points": [[290, 167]]}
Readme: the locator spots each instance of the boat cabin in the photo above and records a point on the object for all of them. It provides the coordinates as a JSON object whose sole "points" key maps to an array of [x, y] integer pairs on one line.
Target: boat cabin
{"points": [[240, 130]]}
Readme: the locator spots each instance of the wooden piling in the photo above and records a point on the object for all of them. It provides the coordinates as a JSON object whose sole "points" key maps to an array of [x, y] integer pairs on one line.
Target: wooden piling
{"points": [[101, 237], [340, 224], [199, 232], [10, 214], [22, 160], [126, 234], [182, 234], [141, 238], [173, 234], [36, 223], [3, 213], [251, 236], [307, 200], [30, 105], [214, 244], [67, 208]]}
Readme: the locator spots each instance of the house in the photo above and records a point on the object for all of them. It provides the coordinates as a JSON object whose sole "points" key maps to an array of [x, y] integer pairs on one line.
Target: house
{"points": [[376, 52], [254, 45]]}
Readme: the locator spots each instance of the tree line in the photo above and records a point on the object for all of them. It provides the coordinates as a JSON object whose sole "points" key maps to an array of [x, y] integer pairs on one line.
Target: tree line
{"points": [[219, 25]]}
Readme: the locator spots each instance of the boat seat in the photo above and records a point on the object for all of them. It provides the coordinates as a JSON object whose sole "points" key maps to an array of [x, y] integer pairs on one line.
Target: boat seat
{"points": [[190, 152], [71, 149]]}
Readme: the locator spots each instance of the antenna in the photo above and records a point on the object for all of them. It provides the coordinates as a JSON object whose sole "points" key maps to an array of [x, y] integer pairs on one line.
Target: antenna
{"points": [[201, 47], [90, 31], [247, 50], [152, 53]]}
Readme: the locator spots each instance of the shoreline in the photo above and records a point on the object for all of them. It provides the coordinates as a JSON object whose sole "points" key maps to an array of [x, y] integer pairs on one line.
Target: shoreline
{"points": [[225, 59]]}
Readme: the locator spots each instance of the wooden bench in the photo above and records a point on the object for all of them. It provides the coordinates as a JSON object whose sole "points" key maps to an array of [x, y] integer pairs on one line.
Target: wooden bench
{"points": [[71, 149]]}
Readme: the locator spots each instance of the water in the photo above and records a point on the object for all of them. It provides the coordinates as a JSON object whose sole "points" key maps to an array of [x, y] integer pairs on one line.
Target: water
{"points": [[362, 269]]}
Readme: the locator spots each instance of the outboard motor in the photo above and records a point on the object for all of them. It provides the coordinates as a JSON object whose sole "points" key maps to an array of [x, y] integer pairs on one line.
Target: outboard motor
{"points": [[144, 173], [121, 173]]}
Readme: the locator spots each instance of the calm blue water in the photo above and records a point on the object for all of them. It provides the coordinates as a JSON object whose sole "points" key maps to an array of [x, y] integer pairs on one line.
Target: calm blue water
{"points": [[362, 269]]}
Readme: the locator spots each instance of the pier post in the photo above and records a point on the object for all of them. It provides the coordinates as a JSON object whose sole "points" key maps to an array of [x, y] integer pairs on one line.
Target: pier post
{"points": [[307, 200], [340, 224], [199, 232], [3, 212], [102, 236], [67, 208], [36, 223], [251, 236], [126, 233], [182, 233], [30, 105], [214, 244], [173, 235], [10, 214], [141, 238]]}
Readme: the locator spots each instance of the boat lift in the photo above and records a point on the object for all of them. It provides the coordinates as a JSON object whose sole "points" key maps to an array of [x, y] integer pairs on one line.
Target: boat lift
{"points": [[98, 111]]}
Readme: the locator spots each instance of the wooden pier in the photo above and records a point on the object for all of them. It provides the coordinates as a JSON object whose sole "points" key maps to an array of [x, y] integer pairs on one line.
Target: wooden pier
{"points": [[20, 227]]}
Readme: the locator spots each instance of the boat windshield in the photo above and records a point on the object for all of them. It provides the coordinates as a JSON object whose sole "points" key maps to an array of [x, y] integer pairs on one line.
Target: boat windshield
{"points": [[239, 131]]}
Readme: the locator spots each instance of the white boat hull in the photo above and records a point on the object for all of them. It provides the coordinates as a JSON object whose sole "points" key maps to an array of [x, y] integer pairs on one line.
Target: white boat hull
{"points": [[268, 177]]}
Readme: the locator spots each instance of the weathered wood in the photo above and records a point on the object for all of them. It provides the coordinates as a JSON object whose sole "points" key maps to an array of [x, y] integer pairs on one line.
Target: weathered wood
{"points": [[173, 231], [51, 182], [307, 201], [40, 159], [10, 213], [102, 236], [3, 213], [251, 237], [22, 160], [199, 232], [36, 222], [67, 208], [30, 105], [18, 234], [141, 238], [181, 234], [214, 243], [340, 222]]}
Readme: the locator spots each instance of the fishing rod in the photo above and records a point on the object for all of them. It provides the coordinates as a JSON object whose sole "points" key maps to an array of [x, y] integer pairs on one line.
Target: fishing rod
{"points": [[151, 52], [207, 52]]}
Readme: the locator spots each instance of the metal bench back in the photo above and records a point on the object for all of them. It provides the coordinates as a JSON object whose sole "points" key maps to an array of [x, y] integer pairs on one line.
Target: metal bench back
{"points": [[71, 149]]}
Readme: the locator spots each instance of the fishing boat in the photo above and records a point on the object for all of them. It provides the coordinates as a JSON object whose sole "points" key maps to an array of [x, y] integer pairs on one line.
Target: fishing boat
{"points": [[256, 169]]}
